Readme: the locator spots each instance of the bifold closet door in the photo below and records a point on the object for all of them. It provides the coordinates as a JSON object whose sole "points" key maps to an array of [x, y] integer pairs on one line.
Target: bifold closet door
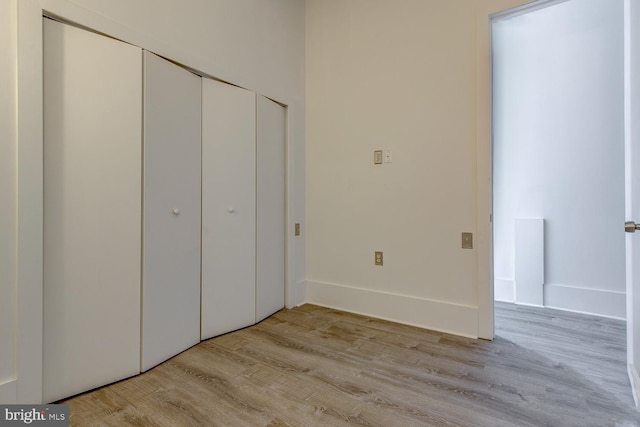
{"points": [[228, 208], [271, 215], [171, 219], [92, 210]]}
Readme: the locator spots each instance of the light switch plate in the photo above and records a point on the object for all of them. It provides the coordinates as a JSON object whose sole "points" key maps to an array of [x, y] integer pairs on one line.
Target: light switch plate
{"points": [[467, 240], [387, 156]]}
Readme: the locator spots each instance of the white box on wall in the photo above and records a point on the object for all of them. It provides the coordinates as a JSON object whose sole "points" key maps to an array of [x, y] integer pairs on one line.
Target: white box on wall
{"points": [[529, 261]]}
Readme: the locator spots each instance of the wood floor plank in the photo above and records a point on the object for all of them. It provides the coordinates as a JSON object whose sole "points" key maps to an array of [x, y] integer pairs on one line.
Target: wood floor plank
{"points": [[315, 366]]}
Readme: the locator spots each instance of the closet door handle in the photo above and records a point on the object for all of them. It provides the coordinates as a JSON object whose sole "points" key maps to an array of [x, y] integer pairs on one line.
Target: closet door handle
{"points": [[176, 211], [231, 210]]}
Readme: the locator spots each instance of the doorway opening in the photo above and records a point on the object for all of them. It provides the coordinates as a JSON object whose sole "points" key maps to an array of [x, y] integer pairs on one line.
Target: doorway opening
{"points": [[558, 175]]}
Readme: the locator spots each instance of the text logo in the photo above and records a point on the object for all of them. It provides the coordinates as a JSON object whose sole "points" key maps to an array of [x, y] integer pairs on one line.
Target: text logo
{"points": [[37, 415]]}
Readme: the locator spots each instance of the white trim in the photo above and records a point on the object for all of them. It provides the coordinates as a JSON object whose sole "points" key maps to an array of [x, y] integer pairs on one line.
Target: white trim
{"points": [[30, 204], [584, 300], [8, 392], [429, 314], [526, 304], [634, 379], [595, 302], [484, 187]]}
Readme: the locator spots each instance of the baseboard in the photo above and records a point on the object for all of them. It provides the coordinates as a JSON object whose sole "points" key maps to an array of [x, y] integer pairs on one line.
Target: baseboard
{"points": [[589, 301], [435, 315], [504, 290], [8, 392], [635, 383]]}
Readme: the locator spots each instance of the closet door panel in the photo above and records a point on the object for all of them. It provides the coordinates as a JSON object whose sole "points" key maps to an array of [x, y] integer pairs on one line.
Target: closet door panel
{"points": [[228, 208], [270, 241], [92, 210], [171, 226]]}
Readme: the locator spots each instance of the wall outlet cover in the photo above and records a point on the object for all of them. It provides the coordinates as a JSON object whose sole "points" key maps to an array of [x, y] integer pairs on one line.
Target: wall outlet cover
{"points": [[378, 258], [377, 157]]}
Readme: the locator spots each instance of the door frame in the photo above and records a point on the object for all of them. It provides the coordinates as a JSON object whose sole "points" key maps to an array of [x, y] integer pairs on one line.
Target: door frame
{"points": [[486, 16]]}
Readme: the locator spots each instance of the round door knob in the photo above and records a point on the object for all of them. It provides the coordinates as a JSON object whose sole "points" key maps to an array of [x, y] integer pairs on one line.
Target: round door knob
{"points": [[176, 211], [231, 210]]}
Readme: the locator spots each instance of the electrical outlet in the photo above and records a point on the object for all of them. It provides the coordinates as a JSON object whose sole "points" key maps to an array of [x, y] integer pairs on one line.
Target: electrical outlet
{"points": [[467, 240], [377, 157], [297, 229], [378, 259]]}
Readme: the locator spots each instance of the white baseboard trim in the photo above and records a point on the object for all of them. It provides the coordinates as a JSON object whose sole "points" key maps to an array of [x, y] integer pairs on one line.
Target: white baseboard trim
{"points": [[635, 383], [435, 315], [504, 290], [589, 301], [9, 392], [531, 305]]}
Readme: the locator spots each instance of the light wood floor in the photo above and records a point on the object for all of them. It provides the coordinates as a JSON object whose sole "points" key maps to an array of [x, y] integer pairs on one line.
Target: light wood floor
{"points": [[313, 366]]}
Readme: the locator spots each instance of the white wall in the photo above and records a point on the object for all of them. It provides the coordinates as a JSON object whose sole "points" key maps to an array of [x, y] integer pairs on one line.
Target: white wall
{"points": [[256, 44], [253, 43], [7, 190], [559, 149], [406, 76]]}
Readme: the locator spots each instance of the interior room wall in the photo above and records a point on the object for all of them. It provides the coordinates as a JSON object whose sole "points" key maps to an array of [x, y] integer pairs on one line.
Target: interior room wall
{"points": [[252, 43], [399, 76], [559, 150]]}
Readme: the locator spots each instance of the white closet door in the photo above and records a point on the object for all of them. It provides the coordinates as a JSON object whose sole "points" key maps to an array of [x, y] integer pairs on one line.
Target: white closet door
{"points": [[228, 208], [270, 207], [92, 210], [171, 225]]}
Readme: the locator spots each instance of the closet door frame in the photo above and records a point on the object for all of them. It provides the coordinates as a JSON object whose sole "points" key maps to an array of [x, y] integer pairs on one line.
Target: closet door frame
{"points": [[27, 385]]}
